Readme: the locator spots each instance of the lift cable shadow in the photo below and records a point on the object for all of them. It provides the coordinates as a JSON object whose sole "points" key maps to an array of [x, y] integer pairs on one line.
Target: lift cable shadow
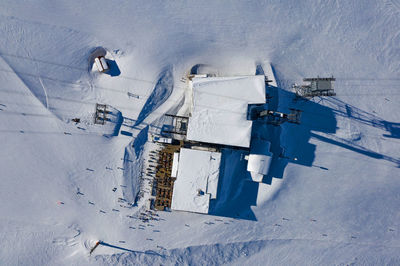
{"points": [[147, 252]]}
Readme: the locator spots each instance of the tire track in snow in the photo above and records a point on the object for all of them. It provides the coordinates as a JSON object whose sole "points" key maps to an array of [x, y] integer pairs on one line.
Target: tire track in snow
{"points": [[40, 79], [17, 74]]}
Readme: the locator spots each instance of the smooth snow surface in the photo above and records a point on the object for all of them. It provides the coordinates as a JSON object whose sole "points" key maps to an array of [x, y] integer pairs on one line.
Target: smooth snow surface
{"points": [[219, 112], [197, 180], [331, 195]]}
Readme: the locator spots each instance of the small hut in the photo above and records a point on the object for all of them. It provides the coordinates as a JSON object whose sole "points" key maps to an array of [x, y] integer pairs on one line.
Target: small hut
{"points": [[101, 64]]}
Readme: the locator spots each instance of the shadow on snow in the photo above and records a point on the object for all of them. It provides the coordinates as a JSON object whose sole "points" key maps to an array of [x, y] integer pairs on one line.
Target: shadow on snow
{"points": [[160, 94], [148, 252], [114, 69], [236, 191], [289, 143]]}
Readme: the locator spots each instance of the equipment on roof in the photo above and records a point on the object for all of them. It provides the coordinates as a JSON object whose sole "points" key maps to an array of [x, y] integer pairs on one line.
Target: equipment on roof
{"points": [[275, 117]]}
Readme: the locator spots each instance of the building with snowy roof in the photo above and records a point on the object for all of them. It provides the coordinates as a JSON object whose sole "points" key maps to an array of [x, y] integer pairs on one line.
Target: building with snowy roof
{"points": [[259, 160], [218, 111], [196, 183], [219, 108]]}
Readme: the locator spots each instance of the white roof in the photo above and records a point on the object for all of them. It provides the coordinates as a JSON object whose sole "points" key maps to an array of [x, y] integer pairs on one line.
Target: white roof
{"points": [[98, 64], [219, 111], [104, 63], [259, 159], [258, 166], [175, 162], [197, 171]]}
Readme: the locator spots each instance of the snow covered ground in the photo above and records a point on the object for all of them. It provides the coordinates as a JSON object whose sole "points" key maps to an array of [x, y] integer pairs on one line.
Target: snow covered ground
{"points": [[333, 199]]}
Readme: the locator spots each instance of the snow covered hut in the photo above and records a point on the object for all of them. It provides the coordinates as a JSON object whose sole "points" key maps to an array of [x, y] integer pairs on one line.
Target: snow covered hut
{"points": [[196, 183], [101, 64]]}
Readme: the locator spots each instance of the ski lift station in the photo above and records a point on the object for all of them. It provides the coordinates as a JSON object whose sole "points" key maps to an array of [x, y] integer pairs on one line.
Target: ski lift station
{"points": [[216, 117], [219, 108]]}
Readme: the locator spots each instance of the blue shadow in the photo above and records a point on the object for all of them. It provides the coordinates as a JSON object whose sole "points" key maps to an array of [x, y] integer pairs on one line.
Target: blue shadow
{"points": [[160, 94], [114, 69], [355, 148], [236, 192], [393, 129], [126, 133], [349, 111], [131, 166], [295, 146], [148, 252], [118, 123], [140, 140], [295, 141]]}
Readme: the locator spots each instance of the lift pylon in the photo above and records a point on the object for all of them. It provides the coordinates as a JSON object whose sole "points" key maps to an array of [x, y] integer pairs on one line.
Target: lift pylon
{"points": [[315, 87]]}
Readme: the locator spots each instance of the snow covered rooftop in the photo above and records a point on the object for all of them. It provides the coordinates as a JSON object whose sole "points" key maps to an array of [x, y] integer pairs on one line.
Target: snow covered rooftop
{"points": [[259, 160], [219, 111], [258, 166], [197, 180]]}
